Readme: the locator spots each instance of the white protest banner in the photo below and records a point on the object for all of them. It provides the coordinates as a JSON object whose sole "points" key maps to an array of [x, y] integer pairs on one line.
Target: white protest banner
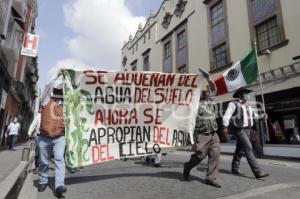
{"points": [[30, 44], [113, 115]]}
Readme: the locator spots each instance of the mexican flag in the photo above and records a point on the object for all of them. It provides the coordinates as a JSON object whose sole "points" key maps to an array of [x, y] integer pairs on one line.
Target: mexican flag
{"points": [[242, 73]]}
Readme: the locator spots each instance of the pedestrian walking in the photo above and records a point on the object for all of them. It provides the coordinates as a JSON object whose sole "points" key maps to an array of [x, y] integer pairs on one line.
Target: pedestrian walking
{"points": [[206, 140], [242, 116], [51, 139], [13, 130], [34, 132]]}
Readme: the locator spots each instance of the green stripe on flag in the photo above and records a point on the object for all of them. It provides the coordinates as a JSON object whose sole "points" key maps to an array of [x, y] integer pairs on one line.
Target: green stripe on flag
{"points": [[249, 67]]}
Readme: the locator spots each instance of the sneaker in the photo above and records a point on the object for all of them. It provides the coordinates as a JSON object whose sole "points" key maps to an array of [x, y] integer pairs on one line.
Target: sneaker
{"points": [[262, 175], [60, 190], [42, 187], [157, 165], [213, 183]]}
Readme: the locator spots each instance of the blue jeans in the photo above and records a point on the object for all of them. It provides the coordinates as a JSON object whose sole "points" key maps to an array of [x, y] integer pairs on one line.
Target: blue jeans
{"points": [[49, 145], [12, 142]]}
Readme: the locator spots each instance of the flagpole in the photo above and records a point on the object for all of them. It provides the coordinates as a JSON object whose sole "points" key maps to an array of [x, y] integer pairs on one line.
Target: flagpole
{"points": [[261, 91]]}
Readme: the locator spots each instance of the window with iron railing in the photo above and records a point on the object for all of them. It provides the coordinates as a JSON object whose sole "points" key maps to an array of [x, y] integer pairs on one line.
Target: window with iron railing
{"points": [[220, 56], [267, 34], [266, 24], [146, 64], [218, 31], [167, 57]]}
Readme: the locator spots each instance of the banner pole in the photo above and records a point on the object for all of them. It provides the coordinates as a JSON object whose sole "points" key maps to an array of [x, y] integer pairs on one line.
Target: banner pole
{"points": [[262, 97]]}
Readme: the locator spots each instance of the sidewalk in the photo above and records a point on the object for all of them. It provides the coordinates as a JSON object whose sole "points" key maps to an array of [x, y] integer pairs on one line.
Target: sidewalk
{"points": [[10, 160]]}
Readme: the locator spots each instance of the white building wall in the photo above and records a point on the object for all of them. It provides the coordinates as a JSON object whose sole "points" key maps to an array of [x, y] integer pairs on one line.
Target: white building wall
{"points": [[198, 38]]}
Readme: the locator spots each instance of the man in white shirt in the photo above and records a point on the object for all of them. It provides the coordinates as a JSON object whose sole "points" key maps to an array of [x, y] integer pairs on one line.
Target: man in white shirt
{"points": [[33, 132], [242, 116], [13, 130]]}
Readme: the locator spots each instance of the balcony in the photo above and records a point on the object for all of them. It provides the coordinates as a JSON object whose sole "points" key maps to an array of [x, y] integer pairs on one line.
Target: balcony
{"points": [[282, 72]]}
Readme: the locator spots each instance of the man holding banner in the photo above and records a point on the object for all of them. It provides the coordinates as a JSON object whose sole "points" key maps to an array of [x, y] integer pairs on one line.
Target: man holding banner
{"points": [[51, 139], [206, 139]]}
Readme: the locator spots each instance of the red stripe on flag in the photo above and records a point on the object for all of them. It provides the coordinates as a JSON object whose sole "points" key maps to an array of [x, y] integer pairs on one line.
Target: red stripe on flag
{"points": [[221, 86]]}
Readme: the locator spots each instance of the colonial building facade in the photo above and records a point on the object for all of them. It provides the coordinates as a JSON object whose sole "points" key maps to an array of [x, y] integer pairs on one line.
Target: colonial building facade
{"points": [[214, 34], [18, 74]]}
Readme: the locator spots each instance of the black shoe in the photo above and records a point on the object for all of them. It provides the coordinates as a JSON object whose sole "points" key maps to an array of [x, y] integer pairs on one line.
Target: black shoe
{"points": [[60, 190], [186, 172], [262, 175], [237, 173], [213, 183], [157, 165], [71, 170], [147, 159], [42, 187]]}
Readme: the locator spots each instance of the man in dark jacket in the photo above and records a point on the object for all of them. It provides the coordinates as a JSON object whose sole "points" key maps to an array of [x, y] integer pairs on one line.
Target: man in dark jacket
{"points": [[205, 137]]}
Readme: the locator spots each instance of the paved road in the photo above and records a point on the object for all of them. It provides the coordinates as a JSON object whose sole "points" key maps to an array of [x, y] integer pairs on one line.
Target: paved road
{"points": [[135, 180]]}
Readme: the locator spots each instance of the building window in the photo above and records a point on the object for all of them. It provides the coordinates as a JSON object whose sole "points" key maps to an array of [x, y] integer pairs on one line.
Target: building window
{"points": [[181, 40], [217, 22], [266, 24], [218, 31], [149, 34], [134, 65], [267, 34], [146, 64], [219, 55], [144, 38], [167, 50], [217, 13], [181, 49], [167, 57], [136, 47], [261, 8]]}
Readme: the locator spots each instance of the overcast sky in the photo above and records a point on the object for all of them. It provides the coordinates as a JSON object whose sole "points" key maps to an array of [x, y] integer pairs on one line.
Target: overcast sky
{"points": [[86, 33]]}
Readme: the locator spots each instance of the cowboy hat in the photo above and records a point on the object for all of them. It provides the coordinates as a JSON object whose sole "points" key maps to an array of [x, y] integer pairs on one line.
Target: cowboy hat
{"points": [[241, 91]]}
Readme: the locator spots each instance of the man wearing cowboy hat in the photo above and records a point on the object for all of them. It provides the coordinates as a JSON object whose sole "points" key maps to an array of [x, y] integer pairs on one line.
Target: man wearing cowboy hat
{"points": [[51, 139], [242, 119]]}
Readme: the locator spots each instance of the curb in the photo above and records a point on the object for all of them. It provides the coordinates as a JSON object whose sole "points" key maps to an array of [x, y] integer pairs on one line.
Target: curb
{"points": [[27, 191], [6, 187]]}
